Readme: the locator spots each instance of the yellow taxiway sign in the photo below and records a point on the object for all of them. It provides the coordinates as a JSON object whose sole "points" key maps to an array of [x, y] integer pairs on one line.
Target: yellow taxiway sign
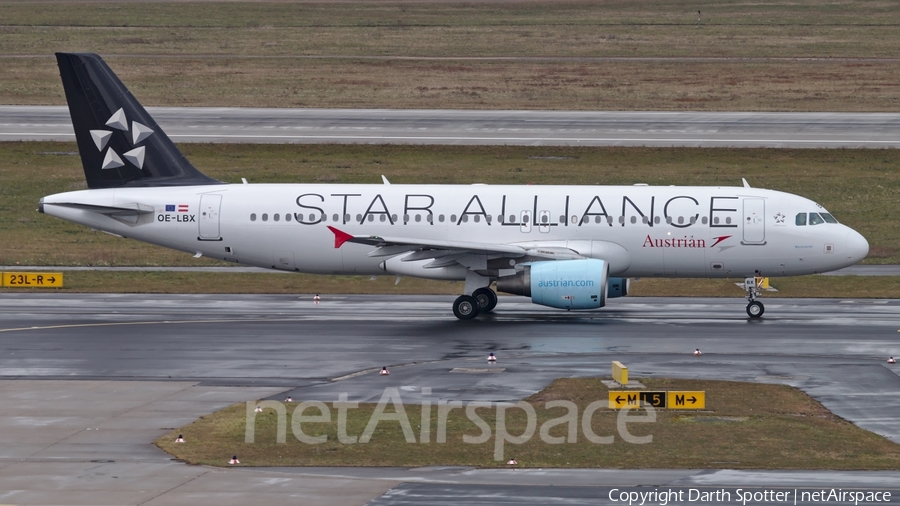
{"points": [[667, 399], [687, 400], [32, 279]]}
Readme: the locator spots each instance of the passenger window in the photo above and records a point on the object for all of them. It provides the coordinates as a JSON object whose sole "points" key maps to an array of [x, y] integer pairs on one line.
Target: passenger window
{"points": [[265, 217], [544, 219], [728, 220], [287, 216], [597, 219], [371, 218], [418, 218], [334, 218], [815, 219], [800, 221], [252, 216], [562, 220], [681, 220], [383, 217], [526, 218], [276, 217], [464, 218], [828, 218], [441, 218], [656, 220], [452, 218]]}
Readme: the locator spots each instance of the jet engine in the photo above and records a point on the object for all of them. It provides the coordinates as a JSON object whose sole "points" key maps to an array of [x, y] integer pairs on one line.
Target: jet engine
{"points": [[564, 284], [618, 287]]}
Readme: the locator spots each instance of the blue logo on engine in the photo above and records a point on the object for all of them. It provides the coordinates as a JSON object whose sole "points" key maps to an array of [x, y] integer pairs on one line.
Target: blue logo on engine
{"points": [[557, 283]]}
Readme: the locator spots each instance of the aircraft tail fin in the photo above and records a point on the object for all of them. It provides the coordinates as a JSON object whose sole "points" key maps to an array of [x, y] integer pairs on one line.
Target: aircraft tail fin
{"points": [[120, 144]]}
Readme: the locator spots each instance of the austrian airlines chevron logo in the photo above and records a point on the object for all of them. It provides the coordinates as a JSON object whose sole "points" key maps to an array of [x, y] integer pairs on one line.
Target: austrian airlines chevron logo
{"points": [[719, 239], [139, 133]]}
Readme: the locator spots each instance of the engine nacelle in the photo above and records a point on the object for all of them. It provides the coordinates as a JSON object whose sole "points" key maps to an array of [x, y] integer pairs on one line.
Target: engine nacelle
{"points": [[618, 287], [564, 284]]}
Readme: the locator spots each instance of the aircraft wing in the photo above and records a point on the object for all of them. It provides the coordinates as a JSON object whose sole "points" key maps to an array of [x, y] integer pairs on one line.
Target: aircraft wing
{"points": [[390, 246]]}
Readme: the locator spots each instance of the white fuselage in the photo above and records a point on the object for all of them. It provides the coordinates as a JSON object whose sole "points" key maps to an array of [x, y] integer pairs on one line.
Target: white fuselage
{"points": [[664, 231]]}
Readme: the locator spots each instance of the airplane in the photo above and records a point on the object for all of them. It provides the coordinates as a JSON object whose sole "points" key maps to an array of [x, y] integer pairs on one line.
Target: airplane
{"points": [[566, 247]]}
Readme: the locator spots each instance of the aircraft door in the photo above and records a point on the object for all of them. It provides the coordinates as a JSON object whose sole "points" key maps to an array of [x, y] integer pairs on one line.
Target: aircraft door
{"points": [[210, 205], [525, 223], [754, 221]]}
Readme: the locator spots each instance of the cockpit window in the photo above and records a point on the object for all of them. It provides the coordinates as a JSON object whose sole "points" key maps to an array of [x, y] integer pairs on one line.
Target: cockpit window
{"points": [[815, 219], [801, 219], [828, 218]]}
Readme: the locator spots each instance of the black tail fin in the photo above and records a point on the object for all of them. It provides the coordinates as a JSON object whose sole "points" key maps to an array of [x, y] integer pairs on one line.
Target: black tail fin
{"points": [[120, 144]]}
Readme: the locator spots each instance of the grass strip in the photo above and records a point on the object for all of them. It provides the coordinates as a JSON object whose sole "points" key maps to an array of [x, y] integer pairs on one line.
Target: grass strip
{"points": [[747, 426], [805, 55]]}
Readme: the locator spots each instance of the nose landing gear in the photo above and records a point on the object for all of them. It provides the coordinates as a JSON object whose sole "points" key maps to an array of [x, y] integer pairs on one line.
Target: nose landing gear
{"points": [[755, 308]]}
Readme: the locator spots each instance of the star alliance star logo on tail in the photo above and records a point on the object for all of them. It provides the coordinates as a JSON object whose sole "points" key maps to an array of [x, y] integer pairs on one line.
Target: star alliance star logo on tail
{"points": [[139, 133]]}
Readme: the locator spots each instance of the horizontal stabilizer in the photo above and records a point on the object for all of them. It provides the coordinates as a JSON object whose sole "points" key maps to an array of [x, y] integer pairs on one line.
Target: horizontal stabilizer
{"points": [[132, 209]]}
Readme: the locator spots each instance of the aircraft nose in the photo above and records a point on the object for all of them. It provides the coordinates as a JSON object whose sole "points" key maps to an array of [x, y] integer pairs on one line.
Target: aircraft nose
{"points": [[857, 246]]}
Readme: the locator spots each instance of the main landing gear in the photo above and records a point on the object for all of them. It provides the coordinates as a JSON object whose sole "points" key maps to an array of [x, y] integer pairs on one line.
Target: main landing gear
{"points": [[755, 308], [487, 299], [482, 300]]}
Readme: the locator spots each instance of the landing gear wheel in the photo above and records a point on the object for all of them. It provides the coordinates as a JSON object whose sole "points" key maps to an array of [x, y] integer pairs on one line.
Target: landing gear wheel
{"points": [[755, 309], [465, 307], [486, 298]]}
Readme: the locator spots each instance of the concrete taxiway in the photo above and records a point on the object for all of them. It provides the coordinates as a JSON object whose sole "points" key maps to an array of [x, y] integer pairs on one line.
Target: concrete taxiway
{"points": [[477, 127], [149, 363]]}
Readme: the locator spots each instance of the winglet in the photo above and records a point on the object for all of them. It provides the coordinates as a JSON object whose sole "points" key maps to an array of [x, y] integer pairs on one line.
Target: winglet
{"points": [[340, 237], [746, 184]]}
